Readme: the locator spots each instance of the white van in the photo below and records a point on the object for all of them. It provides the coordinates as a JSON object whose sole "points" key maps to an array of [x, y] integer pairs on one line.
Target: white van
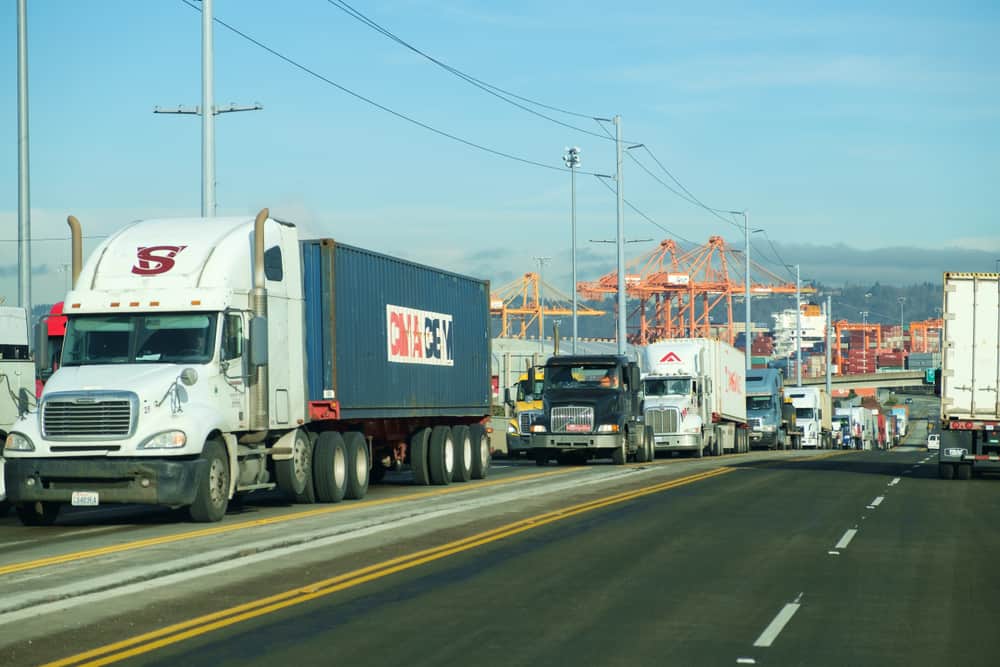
{"points": [[933, 441]]}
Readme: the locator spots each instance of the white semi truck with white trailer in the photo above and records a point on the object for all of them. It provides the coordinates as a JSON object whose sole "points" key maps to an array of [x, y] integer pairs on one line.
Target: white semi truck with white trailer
{"points": [[970, 375], [694, 396], [813, 416], [17, 377]]}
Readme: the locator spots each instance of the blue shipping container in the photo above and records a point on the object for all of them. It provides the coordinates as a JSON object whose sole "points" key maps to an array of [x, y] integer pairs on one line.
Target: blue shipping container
{"points": [[390, 338]]}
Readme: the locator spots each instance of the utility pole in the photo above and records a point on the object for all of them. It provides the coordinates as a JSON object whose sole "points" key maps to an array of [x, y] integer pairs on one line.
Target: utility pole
{"points": [[864, 324], [208, 112], [23, 180], [798, 328], [572, 160], [622, 297], [541, 303]]}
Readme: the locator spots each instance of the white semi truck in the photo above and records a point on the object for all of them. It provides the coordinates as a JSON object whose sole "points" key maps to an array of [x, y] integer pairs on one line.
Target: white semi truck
{"points": [[209, 357], [813, 416], [970, 375], [694, 396]]}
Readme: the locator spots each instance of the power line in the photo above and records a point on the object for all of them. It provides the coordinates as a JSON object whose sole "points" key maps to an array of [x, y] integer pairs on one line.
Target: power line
{"points": [[646, 217], [496, 91], [51, 238], [375, 104]]}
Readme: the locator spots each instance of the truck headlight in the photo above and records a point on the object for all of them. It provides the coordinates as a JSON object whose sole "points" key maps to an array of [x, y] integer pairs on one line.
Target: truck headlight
{"points": [[538, 428], [511, 428], [607, 428], [165, 440], [18, 443]]}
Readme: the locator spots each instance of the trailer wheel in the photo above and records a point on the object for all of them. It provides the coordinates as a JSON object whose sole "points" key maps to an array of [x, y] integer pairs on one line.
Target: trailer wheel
{"points": [[480, 451], [463, 453], [358, 465], [41, 513], [419, 446], [212, 498], [946, 470], [441, 459], [963, 471], [295, 475], [330, 467]]}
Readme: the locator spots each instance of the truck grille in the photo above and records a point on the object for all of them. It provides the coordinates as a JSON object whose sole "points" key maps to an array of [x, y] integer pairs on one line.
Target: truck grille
{"points": [[524, 420], [666, 420], [572, 420], [89, 416]]}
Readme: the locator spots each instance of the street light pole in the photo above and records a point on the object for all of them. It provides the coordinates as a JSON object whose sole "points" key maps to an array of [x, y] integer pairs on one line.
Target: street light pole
{"points": [[572, 160], [902, 344], [746, 286], [23, 181], [864, 324]]}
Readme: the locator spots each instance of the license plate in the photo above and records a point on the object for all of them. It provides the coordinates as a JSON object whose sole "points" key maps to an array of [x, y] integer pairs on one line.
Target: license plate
{"points": [[84, 499], [954, 452], [577, 428]]}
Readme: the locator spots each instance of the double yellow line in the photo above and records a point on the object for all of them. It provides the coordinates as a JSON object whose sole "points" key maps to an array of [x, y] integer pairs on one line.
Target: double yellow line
{"points": [[201, 625], [256, 523]]}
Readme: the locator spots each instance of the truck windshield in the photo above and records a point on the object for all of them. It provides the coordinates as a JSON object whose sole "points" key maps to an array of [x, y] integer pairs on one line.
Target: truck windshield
{"points": [[139, 339], [759, 402], [666, 386], [582, 376], [804, 413]]}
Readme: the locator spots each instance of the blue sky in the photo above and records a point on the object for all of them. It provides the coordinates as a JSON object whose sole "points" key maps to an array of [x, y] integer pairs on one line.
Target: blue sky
{"points": [[863, 137]]}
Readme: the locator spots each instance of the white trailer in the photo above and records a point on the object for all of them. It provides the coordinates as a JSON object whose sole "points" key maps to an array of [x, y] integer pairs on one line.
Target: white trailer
{"points": [[970, 375], [695, 396]]}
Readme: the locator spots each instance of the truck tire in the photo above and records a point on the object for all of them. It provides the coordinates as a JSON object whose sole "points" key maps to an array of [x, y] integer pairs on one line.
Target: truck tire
{"points": [[4, 508], [358, 465], [441, 455], [963, 471], [330, 467], [650, 444], [619, 455], [541, 457], [480, 451], [419, 442], [946, 470], [463, 453], [295, 475], [641, 453], [42, 513], [212, 498]]}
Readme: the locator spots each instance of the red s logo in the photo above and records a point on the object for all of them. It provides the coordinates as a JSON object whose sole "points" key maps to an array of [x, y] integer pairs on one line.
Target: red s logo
{"points": [[156, 259]]}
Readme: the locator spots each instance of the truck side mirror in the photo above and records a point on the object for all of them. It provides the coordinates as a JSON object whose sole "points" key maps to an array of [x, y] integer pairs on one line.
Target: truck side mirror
{"points": [[531, 376], [258, 341], [42, 366], [507, 397]]}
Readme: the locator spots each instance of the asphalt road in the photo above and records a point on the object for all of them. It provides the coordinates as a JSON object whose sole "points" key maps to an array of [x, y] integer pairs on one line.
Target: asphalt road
{"points": [[861, 558]]}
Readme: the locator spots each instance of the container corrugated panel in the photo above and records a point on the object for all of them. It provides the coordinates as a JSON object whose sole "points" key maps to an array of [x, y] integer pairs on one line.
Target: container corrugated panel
{"points": [[440, 367]]}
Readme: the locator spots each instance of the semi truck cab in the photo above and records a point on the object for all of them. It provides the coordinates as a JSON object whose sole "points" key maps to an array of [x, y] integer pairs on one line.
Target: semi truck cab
{"points": [[591, 407]]}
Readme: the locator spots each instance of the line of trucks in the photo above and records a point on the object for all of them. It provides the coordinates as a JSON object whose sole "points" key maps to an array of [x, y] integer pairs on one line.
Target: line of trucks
{"points": [[206, 358]]}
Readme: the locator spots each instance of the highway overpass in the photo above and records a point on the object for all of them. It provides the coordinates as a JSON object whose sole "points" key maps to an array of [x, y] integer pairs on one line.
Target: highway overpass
{"points": [[867, 380]]}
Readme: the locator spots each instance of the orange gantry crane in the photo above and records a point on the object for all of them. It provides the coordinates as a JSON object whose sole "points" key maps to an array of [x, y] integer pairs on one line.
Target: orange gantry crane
{"points": [[528, 301], [678, 290], [925, 336]]}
